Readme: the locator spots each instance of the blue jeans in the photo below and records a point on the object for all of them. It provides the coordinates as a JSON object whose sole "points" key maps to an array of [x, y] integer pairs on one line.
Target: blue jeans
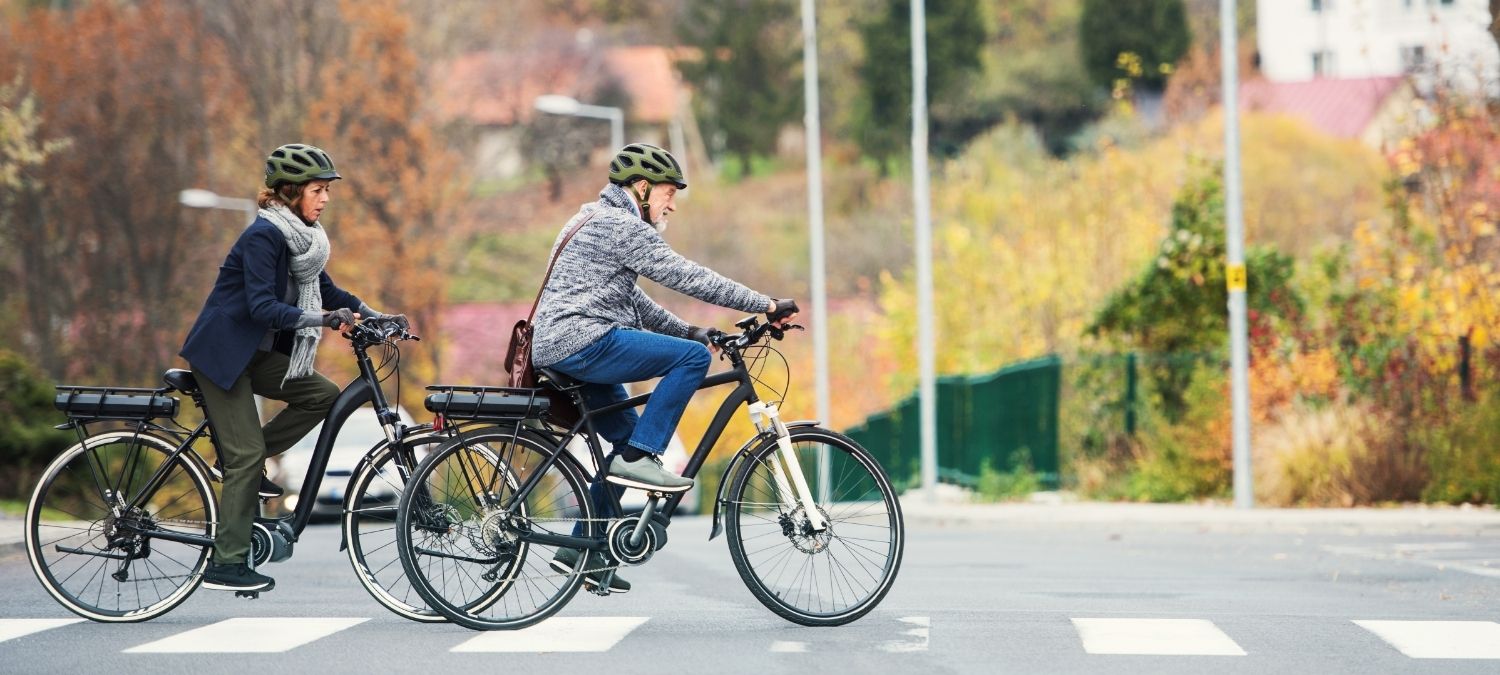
{"points": [[626, 355]]}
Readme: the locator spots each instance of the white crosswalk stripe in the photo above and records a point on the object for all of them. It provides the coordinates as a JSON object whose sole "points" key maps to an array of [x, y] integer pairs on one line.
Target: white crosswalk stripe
{"points": [[244, 635], [11, 629], [788, 647], [558, 634], [916, 637], [1439, 639], [1161, 637]]}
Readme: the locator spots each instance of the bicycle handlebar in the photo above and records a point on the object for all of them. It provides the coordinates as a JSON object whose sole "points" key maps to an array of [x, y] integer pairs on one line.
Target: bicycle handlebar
{"points": [[752, 331], [377, 330]]}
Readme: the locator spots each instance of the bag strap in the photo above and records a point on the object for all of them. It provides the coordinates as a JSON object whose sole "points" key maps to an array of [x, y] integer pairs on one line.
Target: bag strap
{"points": [[555, 254]]}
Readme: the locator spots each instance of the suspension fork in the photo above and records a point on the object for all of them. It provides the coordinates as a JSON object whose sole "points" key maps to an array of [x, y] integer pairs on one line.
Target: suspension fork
{"points": [[767, 419]]}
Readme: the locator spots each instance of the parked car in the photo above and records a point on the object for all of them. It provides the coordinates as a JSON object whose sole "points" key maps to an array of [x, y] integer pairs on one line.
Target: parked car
{"points": [[360, 433]]}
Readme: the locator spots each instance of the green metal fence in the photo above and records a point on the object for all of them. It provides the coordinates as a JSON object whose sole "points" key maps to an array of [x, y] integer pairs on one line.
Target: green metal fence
{"points": [[1003, 418]]}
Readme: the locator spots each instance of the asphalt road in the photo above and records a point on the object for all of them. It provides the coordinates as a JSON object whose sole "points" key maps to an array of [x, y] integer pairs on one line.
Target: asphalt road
{"points": [[999, 597]]}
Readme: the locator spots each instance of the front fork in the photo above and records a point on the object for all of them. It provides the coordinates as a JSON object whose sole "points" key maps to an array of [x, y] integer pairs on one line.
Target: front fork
{"points": [[767, 419]]}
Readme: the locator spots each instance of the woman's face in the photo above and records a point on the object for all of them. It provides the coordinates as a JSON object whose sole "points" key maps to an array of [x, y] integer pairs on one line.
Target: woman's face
{"points": [[314, 199]]}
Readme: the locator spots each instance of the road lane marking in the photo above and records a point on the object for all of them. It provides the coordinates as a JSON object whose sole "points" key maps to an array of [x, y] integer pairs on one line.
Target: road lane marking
{"points": [[1439, 639], [11, 629], [788, 647], [565, 634], [917, 638], [1163, 637], [248, 635], [1485, 565]]}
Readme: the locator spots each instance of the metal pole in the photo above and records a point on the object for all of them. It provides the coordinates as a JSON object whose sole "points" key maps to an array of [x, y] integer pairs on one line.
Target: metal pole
{"points": [[815, 223], [927, 390], [616, 129], [1235, 277]]}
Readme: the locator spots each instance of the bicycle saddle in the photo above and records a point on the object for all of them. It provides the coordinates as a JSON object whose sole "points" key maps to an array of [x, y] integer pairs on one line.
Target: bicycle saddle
{"points": [[559, 380], [181, 380]]}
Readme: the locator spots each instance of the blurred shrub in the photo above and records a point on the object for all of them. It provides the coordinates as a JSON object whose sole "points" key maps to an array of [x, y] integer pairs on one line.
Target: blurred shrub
{"points": [[27, 439], [1462, 455], [999, 486]]}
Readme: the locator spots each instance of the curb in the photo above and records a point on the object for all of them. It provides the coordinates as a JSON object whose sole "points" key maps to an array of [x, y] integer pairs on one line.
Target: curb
{"points": [[1206, 517]]}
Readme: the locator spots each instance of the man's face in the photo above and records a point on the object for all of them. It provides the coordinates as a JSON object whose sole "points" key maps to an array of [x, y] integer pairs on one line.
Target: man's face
{"points": [[663, 201]]}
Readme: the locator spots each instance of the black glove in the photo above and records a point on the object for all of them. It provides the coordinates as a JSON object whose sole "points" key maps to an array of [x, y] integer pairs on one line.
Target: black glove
{"points": [[399, 320], [699, 334], [338, 318], [784, 309]]}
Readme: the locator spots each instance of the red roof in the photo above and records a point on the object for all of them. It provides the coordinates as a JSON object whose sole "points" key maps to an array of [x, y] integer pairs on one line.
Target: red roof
{"points": [[497, 88], [1338, 107]]}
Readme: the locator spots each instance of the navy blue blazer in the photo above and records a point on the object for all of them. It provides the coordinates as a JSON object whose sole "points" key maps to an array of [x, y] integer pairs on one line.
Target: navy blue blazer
{"points": [[246, 302]]}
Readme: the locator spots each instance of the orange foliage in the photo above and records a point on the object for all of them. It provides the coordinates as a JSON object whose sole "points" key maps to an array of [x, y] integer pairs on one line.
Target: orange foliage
{"points": [[392, 221]]}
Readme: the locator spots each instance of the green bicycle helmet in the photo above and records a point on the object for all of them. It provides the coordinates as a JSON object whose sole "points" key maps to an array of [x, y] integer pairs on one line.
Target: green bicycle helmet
{"points": [[298, 163], [642, 160]]}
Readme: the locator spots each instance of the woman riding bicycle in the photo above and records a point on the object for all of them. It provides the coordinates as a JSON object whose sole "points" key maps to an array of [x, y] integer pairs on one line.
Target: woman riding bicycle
{"points": [[257, 334], [593, 323]]}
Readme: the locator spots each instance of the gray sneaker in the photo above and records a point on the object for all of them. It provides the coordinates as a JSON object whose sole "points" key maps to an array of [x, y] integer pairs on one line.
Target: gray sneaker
{"points": [[646, 473], [567, 558]]}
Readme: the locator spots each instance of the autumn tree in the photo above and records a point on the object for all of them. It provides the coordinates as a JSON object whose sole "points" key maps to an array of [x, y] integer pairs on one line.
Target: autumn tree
{"points": [[104, 251], [390, 222], [745, 71], [955, 36], [1155, 31]]}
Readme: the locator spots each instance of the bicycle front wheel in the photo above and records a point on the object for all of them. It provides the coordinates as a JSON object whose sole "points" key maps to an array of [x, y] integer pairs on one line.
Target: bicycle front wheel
{"points": [[465, 525], [815, 578], [105, 560], [370, 524]]}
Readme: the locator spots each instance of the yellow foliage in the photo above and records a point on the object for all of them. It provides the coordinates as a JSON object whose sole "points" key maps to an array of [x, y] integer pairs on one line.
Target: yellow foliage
{"points": [[1027, 247]]}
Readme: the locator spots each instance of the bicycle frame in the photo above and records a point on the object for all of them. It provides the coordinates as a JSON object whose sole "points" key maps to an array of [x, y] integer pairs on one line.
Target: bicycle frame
{"points": [[363, 389], [743, 394]]}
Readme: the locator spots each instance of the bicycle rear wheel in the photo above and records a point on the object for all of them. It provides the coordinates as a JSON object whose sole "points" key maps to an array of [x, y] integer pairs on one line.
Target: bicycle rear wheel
{"points": [[826, 578], [100, 559], [370, 525], [461, 547]]}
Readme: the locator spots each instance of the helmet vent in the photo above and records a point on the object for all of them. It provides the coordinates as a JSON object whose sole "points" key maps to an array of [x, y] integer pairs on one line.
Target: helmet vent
{"points": [[627, 161]]}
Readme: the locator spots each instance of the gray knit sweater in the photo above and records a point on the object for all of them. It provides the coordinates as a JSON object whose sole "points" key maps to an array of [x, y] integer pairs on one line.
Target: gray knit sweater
{"points": [[593, 289]]}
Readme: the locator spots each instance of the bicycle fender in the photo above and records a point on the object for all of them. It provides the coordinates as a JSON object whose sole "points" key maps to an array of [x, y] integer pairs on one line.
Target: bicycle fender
{"points": [[734, 462], [369, 457]]}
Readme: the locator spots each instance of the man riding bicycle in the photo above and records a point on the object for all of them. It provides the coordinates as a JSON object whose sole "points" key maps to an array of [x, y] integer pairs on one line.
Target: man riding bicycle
{"points": [[593, 322]]}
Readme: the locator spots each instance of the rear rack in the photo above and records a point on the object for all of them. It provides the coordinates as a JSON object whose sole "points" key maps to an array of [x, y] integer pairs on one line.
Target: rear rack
{"points": [[486, 403], [133, 404]]}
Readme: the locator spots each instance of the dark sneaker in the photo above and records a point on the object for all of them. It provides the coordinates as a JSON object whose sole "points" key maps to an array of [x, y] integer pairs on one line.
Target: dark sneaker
{"points": [[236, 577], [268, 489], [567, 558], [646, 473]]}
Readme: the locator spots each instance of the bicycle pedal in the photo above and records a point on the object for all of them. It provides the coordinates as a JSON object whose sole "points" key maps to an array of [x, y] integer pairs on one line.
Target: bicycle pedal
{"points": [[253, 595]]}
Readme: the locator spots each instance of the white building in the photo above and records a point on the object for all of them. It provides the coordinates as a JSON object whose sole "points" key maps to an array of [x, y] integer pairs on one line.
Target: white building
{"points": [[1305, 39]]}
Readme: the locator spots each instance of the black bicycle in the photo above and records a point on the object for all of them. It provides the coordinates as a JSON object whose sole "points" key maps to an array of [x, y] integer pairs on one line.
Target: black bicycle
{"points": [[122, 524], [814, 525]]}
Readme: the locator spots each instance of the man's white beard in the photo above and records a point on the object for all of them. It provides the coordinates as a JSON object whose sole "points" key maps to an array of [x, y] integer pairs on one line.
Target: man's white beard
{"points": [[661, 226]]}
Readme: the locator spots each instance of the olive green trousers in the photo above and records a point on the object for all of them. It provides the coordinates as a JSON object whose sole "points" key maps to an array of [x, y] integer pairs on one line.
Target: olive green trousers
{"points": [[244, 445]]}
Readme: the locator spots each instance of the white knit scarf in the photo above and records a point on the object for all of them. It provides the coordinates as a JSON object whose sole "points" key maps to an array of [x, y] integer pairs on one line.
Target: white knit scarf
{"points": [[309, 247]]}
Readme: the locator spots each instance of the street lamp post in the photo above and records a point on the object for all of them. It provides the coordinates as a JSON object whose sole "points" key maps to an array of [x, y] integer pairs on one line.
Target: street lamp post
{"points": [[556, 104]]}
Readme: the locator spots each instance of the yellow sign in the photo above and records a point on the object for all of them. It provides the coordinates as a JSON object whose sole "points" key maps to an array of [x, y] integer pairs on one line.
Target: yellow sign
{"points": [[1234, 277]]}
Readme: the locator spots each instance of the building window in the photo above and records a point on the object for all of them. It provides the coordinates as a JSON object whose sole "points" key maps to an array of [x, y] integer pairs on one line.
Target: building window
{"points": [[1413, 57], [1322, 63]]}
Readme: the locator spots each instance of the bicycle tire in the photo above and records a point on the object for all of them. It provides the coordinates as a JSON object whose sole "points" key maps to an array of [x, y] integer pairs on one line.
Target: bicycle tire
{"points": [[447, 521], [71, 505], [855, 478], [369, 528]]}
